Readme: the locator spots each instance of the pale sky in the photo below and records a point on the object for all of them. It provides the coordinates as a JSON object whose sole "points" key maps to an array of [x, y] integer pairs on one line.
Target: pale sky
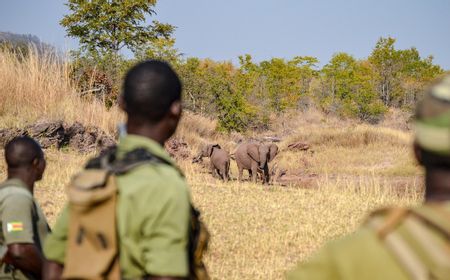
{"points": [[223, 30]]}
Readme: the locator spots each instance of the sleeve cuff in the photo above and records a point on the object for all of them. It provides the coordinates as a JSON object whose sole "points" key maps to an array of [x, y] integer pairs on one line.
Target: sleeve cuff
{"points": [[167, 263]]}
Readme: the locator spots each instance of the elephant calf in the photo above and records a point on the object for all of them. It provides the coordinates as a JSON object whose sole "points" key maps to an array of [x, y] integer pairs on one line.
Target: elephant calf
{"points": [[253, 157], [275, 173], [219, 160]]}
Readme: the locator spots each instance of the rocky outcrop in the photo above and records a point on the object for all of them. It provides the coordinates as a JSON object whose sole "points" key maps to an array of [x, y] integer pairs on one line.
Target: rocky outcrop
{"points": [[57, 134], [48, 133], [84, 139], [8, 134]]}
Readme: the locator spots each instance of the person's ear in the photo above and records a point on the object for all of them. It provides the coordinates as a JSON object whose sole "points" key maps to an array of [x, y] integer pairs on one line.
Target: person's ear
{"points": [[418, 153], [176, 108], [35, 166], [39, 165], [35, 162]]}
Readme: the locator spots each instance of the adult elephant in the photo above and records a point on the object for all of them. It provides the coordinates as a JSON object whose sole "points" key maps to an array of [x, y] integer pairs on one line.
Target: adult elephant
{"points": [[253, 156]]}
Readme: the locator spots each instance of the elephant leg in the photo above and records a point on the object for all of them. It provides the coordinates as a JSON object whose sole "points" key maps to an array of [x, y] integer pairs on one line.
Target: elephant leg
{"points": [[266, 175], [213, 170], [250, 174], [254, 172], [220, 172], [226, 173], [241, 171]]}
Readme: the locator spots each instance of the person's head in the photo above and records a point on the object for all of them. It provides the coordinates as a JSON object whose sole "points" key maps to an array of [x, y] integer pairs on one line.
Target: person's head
{"points": [[432, 139], [152, 97], [25, 157]]}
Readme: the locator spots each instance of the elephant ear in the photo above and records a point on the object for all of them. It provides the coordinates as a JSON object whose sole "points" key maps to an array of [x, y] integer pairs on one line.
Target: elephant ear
{"points": [[209, 150], [253, 151], [273, 151]]}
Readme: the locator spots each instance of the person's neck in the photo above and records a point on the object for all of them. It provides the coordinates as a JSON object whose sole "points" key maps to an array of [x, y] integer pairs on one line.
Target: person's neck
{"points": [[437, 185], [152, 131], [24, 176]]}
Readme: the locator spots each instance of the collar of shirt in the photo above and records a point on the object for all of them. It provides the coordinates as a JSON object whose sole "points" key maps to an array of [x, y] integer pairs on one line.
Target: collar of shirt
{"points": [[14, 182], [132, 142]]}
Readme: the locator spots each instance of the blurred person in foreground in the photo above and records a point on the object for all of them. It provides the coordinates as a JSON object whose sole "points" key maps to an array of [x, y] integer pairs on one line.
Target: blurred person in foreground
{"points": [[402, 243], [24, 226], [129, 214]]}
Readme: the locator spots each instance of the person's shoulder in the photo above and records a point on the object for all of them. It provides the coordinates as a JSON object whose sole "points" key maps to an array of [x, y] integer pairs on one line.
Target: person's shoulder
{"points": [[351, 245], [15, 193], [366, 242], [355, 256], [16, 199]]}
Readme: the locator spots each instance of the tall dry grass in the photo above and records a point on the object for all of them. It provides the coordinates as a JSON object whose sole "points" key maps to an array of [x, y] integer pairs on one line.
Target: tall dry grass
{"points": [[261, 232], [38, 87], [257, 232]]}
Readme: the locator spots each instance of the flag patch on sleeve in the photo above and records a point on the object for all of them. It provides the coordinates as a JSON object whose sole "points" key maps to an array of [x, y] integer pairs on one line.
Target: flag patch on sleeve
{"points": [[14, 226]]}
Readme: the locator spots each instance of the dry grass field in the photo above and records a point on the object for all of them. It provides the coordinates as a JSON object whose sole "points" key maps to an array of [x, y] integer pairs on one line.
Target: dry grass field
{"points": [[258, 232]]}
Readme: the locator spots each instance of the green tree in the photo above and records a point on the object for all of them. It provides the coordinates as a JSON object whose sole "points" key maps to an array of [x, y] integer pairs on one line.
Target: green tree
{"points": [[160, 48], [415, 74], [233, 112], [103, 28], [285, 82], [198, 95], [386, 61], [107, 26], [349, 89], [400, 75], [248, 81]]}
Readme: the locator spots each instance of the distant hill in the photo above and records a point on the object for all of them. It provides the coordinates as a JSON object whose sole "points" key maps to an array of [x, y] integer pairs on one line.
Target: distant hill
{"points": [[18, 40]]}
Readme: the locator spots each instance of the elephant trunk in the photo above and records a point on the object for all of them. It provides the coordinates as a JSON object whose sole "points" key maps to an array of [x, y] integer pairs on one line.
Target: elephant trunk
{"points": [[262, 161], [197, 158]]}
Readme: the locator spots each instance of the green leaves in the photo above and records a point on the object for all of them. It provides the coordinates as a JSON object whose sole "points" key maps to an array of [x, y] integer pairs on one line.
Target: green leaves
{"points": [[243, 96], [348, 88], [366, 88], [400, 75], [107, 26]]}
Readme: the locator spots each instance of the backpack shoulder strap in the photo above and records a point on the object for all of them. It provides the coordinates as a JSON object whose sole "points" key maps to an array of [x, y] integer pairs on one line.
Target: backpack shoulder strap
{"points": [[436, 216], [417, 227], [108, 160], [386, 220], [134, 159]]}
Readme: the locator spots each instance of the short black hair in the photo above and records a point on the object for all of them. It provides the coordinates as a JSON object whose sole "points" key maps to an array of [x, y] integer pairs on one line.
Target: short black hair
{"points": [[21, 151], [149, 90]]}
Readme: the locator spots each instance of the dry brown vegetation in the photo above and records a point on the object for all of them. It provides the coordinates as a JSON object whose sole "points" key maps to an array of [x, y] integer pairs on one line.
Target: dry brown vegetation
{"points": [[36, 87], [258, 232]]}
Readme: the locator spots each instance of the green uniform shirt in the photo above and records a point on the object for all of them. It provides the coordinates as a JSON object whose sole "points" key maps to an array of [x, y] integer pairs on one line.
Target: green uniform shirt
{"points": [[153, 214], [21, 220], [363, 255]]}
